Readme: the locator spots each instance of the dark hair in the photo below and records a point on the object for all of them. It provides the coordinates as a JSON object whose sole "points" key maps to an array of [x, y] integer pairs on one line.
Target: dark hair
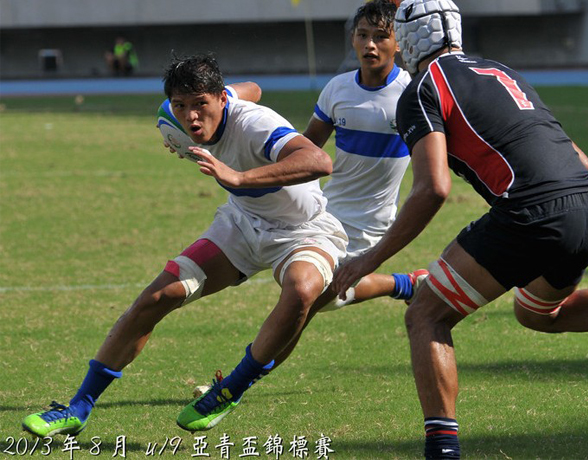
{"points": [[199, 74], [376, 13]]}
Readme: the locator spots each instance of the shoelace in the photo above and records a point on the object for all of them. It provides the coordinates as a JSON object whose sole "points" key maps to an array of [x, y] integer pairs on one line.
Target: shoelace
{"points": [[212, 399], [57, 412]]}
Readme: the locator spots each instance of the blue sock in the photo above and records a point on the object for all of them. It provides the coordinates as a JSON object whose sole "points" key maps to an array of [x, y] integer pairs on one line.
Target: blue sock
{"points": [[402, 287], [441, 441], [247, 372], [97, 380]]}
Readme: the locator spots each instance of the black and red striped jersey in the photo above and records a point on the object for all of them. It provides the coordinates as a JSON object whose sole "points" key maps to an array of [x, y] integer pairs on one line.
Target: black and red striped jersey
{"points": [[501, 137]]}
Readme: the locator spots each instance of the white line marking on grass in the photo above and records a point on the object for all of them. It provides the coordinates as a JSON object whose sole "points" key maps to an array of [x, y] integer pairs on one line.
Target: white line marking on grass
{"points": [[79, 287], [87, 287]]}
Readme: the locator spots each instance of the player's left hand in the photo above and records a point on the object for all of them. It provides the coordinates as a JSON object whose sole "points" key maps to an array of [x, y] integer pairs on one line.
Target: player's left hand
{"points": [[212, 166], [172, 150], [348, 273]]}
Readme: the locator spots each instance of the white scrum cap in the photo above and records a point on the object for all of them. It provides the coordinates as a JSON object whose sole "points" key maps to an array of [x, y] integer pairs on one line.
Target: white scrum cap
{"points": [[425, 26]]}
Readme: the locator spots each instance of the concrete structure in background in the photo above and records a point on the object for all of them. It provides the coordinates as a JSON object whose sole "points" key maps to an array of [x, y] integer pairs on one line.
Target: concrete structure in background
{"points": [[68, 38]]}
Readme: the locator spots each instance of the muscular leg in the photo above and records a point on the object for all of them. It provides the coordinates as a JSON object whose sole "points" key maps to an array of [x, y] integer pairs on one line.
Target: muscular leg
{"points": [[323, 300], [429, 320], [125, 341], [302, 285], [132, 330], [372, 286], [130, 333], [571, 317], [369, 287]]}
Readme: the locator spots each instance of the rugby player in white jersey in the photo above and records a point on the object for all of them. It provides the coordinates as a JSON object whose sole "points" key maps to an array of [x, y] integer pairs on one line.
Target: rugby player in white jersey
{"points": [[370, 156], [275, 218]]}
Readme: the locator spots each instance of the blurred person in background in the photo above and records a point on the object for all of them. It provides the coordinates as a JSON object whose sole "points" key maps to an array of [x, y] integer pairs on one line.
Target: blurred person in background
{"points": [[122, 60]]}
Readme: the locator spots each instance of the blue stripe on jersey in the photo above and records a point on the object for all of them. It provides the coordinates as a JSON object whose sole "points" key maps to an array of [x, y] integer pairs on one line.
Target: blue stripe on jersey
{"points": [[252, 192], [369, 144], [275, 137], [389, 79], [322, 115], [221, 129]]}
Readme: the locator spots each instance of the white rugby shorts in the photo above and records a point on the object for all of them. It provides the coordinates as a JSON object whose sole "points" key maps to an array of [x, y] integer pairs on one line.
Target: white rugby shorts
{"points": [[252, 245], [359, 241]]}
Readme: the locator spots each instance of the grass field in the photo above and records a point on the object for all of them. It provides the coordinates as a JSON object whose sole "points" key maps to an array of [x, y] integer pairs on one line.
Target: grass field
{"points": [[92, 206]]}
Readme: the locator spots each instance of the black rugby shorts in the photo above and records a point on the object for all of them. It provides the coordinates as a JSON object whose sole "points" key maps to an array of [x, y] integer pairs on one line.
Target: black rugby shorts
{"points": [[517, 247]]}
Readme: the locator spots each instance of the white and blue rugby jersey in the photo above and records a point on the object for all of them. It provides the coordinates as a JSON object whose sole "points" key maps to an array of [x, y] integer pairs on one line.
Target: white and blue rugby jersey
{"points": [[251, 136], [371, 157]]}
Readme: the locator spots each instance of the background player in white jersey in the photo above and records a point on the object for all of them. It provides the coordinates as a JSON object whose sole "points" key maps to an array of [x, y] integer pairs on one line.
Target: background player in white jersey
{"points": [[275, 218], [485, 122], [370, 156]]}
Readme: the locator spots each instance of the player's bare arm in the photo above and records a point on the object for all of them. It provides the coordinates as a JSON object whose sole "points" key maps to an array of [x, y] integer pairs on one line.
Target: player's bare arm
{"points": [[318, 131], [299, 161], [431, 186], [583, 157], [247, 90]]}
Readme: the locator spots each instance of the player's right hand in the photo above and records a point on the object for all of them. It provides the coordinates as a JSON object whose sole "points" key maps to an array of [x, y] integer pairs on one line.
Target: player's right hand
{"points": [[351, 271], [212, 166]]}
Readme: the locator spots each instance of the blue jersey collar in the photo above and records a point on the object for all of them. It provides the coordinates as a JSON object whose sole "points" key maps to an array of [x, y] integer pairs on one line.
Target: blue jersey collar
{"points": [[223, 124], [389, 79]]}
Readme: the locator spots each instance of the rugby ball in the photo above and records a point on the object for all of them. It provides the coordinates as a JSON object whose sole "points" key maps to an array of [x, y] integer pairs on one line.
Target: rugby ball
{"points": [[173, 133]]}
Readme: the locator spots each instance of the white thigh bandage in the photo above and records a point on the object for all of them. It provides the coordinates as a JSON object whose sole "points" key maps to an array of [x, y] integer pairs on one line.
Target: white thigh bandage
{"points": [[453, 289], [314, 258], [192, 278], [533, 303]]}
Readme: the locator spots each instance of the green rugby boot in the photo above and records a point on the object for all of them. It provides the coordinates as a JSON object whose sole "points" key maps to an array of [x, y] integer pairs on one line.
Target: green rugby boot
{"points": [[59, 419], [208, 410]]}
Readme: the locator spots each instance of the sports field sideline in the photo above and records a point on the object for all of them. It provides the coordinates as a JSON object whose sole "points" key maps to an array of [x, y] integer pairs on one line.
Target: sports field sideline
{"points": [[11, 88]]}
